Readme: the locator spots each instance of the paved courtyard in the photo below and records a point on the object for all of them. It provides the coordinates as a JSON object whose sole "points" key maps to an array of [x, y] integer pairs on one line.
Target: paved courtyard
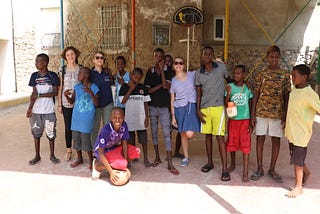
{"points": [[49, 188]]}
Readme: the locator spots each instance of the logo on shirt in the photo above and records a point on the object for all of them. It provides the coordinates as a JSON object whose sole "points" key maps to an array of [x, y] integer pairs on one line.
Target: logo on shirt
{"points": [[141, 91], [102, 141]]}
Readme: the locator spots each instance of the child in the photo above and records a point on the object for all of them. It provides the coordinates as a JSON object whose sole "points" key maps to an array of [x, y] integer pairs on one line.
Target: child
{"points": [[135, 97], [111, 148], [183, 106], [239, 127], [121, 77], [85, 97], [157, 81], [302, 107], [271, 93], [45, 85], [210, 87]]}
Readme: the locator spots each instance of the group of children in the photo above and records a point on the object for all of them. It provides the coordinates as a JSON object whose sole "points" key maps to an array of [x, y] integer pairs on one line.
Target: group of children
{"points": [[191, 101]]}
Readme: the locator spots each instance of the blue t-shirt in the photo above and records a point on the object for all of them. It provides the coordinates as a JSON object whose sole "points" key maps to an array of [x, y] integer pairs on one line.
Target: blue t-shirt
{"points": [[109, 138], [102, 80], [84, 109], [126, 79], [241, 96]]}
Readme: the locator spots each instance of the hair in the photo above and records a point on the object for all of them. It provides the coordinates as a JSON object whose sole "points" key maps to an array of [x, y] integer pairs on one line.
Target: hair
{"points": [[207, 47], [169, 56], [75, 50], [137, 70], [242, 67], [302, 69], [272, 49], [159, 50], [120, 57], [100, 52], [117, 109], [44, 56], [178, 57]]}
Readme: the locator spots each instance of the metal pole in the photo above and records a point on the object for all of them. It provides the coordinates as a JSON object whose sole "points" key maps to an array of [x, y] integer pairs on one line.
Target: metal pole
{"points": [[62, 32], [14, 51], [226, 32], [133, 35], [318, 70], [188, 47]]}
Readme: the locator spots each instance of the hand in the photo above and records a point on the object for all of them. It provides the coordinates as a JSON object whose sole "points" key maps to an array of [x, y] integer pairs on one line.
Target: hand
{"points": [[67, 92], [59, 109], [88, 90], [161, 66], [113, 176], [253, 121], [283, 123], [29, 113], [146, 122], [120, 80], [201, 117], [228, 89], [168, 84], [250, 129], [174, 122]]}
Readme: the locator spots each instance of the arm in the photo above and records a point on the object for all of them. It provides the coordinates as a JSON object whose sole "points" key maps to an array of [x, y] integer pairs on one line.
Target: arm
{"points": [[67, 93], [33, 98], [51, 94], [163, 75], [253, 108], [113, 177], [146, 111], [174, 122], [227, 97], [200, 114], [94, 97], [60, 95], [125, 149], [286, 101], [250, 110], [127, 95]]}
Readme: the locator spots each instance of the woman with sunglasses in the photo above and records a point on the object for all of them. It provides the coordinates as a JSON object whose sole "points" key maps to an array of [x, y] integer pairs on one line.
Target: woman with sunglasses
{"points": [[68, 79], [102, 77], [183, 105]]}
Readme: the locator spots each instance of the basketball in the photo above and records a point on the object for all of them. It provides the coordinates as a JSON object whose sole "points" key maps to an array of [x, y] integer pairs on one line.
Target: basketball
{"points": [[123, 177]]}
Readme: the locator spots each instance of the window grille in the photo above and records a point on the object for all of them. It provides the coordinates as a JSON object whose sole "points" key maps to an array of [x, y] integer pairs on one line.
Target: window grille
{"points": [[161, 33], [218, 32], [50, 41]]}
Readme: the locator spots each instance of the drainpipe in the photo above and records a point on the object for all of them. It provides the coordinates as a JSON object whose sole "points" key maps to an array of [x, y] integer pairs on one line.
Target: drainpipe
{"points": [[133, 33], [226, 38], [62, 32], [14, 51]]}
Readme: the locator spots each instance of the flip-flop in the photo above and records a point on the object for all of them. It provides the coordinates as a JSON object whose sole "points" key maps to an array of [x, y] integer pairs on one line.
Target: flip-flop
{"points": [[156, 163], [55, 160], [174, 171], [225, 176], [275, 176], [206, 168], [256, 176], [76, 163], [34, 161]]}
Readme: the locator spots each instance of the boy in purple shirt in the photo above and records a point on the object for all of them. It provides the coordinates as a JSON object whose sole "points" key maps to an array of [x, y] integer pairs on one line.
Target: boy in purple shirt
{"points": [[111, 149]]}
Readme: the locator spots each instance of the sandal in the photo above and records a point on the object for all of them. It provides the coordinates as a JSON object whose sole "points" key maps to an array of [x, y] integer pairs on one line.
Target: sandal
{"points": [[256, 176], [76, 163], [174, 171], [156, 163], [206, 168], [55, 160], [34, 161], [225, 176], [275, 176], [68, 155]]}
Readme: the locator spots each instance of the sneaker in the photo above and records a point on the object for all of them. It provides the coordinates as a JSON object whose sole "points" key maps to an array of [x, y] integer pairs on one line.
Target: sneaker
{"points": [[184, 162], [95, 175]]}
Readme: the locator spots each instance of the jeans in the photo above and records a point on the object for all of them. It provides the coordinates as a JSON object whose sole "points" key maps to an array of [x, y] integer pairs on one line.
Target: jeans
{"points": [[161, 114]]}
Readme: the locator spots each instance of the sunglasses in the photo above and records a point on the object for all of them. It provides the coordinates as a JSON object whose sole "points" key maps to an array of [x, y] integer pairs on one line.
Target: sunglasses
{"points": [[178, 63], [99, 57]]}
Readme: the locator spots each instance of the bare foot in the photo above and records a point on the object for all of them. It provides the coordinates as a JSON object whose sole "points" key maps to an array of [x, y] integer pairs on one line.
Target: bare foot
{"points": [[147, 164], [294, 192], [245, 179], [156, 162], [231, 168], [305, 177], [35, 160]]}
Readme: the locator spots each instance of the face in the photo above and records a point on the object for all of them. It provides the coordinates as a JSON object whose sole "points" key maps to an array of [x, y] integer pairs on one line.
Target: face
{"points": [[116, 118], [207, 56], [40, 63], [71, 56], [98, 59], [120, 65], [298, 79], [273, 59], [168, 61], [158, 57], [135, 78], [83, 75], [178, 64], [238, 74]]}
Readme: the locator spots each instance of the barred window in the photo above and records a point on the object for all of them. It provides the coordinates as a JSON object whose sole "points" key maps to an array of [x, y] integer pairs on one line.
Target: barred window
{"points": [[161, 33], [219, 24], [112, 26]]}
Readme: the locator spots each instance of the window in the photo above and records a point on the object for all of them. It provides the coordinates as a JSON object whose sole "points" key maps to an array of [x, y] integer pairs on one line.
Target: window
{"points": [[112, 26], [218, 28], [50, 28], [161, 33], [50, 41]]}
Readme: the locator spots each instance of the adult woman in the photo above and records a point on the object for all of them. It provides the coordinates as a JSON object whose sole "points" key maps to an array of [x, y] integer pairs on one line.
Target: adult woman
{"points": [[183, 106], [68, 79], [102, 77]]}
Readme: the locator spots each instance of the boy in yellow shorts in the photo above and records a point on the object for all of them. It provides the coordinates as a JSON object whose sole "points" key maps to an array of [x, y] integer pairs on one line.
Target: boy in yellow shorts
{"points": [[210, 85]]}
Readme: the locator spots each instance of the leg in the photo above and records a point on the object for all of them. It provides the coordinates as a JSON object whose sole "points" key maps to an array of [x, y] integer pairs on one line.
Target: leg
{"points": [[245, 177], [306, 175], [52, 156], [157, 159], [259, 152], [297, 190], [178, 146], [90, 156], [143, 140], [37, 157], [132, 138], [154, 116], [145, 155], [96, 126], [233, 162], [78, 161], [171, 168], [209, 149], [274, 156], [222, 151], [106, 113], [185, 145]]}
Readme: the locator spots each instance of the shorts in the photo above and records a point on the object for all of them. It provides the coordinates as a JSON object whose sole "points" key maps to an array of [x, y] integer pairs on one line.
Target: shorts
{"points": [[187, 118], [215, 121], [298, 154], [116, 158], [43, 122], [238, 136], [81, 141], [142, 137], [267, 126]]}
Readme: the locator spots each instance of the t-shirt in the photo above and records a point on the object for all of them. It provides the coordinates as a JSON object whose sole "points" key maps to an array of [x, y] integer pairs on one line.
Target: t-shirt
{"points": [[102, 80], [302, 107], [161, 97], [272, 86], [212, 84], [135, 113], [44, 84], [126, 79], [185, 91], [241, 96], [84, 109], [109, 138], [70, 79]]}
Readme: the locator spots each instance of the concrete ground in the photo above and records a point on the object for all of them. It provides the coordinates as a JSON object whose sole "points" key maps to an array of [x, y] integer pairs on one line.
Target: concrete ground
{"points": [[49, 188]]}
